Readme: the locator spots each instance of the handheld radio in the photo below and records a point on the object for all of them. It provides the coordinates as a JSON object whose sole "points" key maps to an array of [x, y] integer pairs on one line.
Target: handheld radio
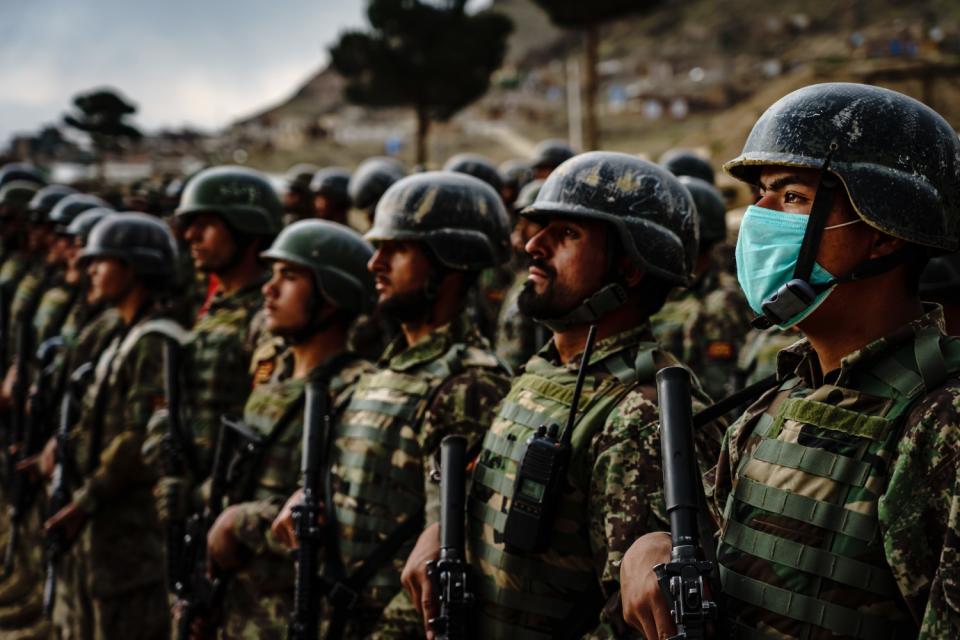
{"points": [[541, 473]]}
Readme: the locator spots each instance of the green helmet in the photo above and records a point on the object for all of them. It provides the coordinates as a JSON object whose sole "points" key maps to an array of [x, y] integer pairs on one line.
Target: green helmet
{"points": [[297, 178], [331, 182], [15, 197], [528, 195], [371, 179], [684, 162], [550, 154], [653, 215], [70, 207], [22, 171], [897, 158], [711, 211], [461, 218], [476, 166], [138, 239], [82, 225], [243, 198], [336, 254], [45, 199]]}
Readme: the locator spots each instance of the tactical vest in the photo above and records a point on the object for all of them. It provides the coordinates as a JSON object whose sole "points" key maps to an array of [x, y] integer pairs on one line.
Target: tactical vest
{"points": [[377, 462], [555, 593], [801, 552]]}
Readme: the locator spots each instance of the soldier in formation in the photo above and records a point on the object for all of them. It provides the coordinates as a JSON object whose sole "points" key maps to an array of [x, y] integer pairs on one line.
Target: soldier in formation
{"points": [[170, 498]]}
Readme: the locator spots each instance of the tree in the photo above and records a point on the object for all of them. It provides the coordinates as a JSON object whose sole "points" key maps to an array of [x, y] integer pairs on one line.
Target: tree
{"points": [[588, 15], [434, 58], [102, 113]]}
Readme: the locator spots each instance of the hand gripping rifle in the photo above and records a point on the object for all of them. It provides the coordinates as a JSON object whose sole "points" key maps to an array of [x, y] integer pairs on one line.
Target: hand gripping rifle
{"points": [[304, 624], [32, 415], [200, 595], [682, 580], [62, 480], [450, 574]]}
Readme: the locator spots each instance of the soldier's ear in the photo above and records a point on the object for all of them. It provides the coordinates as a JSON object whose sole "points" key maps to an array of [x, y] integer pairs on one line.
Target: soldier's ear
{"points": [[630, 273]]}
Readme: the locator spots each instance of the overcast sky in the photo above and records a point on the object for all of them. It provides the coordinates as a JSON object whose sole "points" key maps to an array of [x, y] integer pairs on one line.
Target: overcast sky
{"points": [[198, 62]]}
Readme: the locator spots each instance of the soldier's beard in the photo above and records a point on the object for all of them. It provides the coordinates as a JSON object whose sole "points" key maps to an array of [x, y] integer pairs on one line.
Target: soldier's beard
{"points": [[553, 302], [406, 308]]}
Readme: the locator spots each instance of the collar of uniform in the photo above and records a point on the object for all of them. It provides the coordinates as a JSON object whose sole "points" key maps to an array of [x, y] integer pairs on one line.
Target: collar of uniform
{"points": [[801, 360], [604, 348], [238, 297], [400, 357]]}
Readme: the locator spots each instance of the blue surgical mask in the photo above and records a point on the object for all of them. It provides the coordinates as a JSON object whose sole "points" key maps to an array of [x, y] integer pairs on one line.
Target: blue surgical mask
{"points": [[767, 250]]}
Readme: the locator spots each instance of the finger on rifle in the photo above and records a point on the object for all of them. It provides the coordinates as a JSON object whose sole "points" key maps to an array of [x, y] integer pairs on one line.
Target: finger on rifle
{"points": [[427, 605], [29, 463]]}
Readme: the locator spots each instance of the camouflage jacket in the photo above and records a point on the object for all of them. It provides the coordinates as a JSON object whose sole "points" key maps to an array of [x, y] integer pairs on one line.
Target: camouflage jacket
{"points": [[879, 497], [116, 491], [55, 306], [260, 598], [758, 355], [216, 371], [705, 327], [23, 305], [614, 493]]}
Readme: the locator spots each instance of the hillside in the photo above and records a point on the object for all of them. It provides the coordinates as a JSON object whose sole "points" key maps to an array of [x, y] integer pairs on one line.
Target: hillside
{"points": [[693, 73]]}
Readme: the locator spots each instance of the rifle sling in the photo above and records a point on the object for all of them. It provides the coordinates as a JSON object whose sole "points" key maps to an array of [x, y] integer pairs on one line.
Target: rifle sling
{"points": [[731, 402]]}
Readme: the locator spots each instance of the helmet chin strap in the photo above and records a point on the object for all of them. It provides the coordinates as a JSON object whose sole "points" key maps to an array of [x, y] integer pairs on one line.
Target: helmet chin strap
{"points": [[799, 293], [606, 299]]}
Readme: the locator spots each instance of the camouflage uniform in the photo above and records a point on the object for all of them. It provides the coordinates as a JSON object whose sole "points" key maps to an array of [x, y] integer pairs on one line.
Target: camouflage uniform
{"points": [[758, 356], [221, 347], [614, 496], [841, 513], [260, 597], [447, 383], [55, 306], [119, 557], [705, 325]]}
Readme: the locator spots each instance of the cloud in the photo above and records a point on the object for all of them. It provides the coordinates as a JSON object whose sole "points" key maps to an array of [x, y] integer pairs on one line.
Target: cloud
{"points": [[200, 62]]}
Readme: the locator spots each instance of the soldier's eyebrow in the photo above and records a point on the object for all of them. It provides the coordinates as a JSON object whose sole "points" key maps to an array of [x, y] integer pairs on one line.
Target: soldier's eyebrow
{"points": [[791, 178]]}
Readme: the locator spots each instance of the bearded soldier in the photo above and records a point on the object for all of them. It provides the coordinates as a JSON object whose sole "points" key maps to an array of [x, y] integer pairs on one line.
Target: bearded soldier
{"points": [[839, 484], [433, 232], [595, 259]]}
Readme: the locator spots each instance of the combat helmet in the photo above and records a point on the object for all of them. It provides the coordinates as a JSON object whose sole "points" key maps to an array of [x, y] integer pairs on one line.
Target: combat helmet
{"points": [[332, 182], [528, 195], [897, 159], [44, 200], [651, 214], [515, 174], [15, 197], [297, 178], [460, 218], [337, 255], [371, 180], [941, 277], [140, 240], [81, 226], [550, 154], [711, 210], [22, 171], [69, 207], [476, 166], [684, 162], [242, 197]]}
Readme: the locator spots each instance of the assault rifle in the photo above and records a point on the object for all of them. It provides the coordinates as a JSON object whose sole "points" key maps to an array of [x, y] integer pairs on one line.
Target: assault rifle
{"points": [[32, 415], [682, 580], [304, 624], [198, 594], [450, 574], [62, 480], [180, 458]]}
